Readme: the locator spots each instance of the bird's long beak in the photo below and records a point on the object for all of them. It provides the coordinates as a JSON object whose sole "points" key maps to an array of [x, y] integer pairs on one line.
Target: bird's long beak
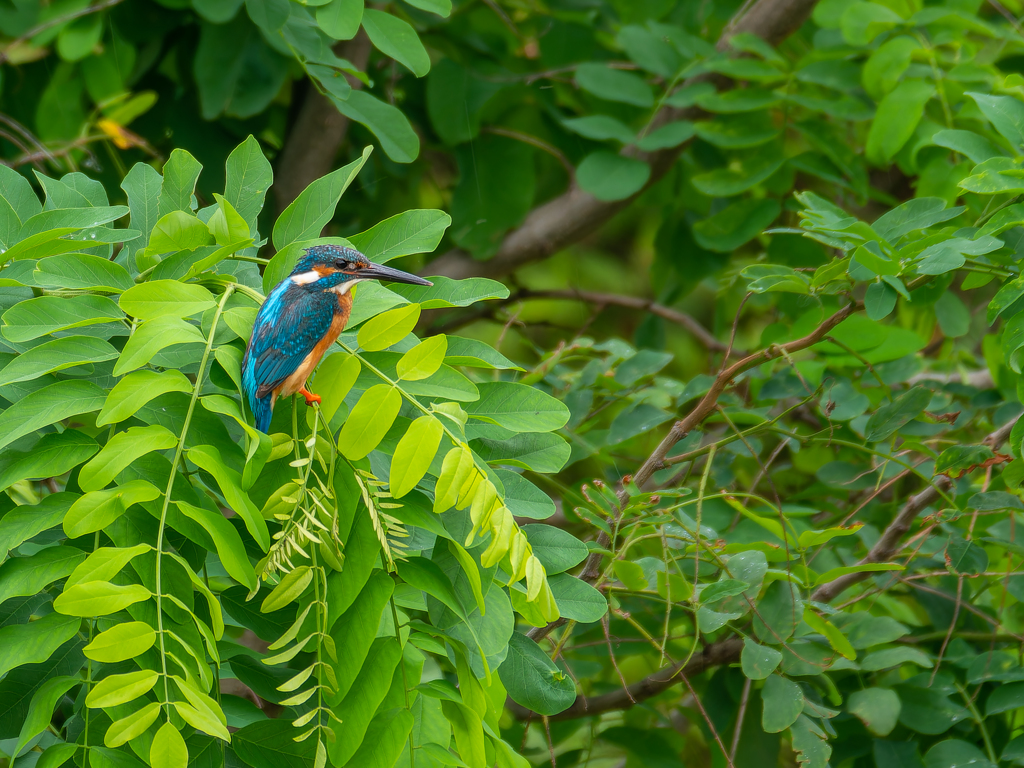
{"points": [[381, 272]]}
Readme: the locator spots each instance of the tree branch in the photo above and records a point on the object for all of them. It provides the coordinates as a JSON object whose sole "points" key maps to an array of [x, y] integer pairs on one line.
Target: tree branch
{"points": [[726, 651], [888, 543], [575, 214], [656, 461], [705, 337], [318, 132]]}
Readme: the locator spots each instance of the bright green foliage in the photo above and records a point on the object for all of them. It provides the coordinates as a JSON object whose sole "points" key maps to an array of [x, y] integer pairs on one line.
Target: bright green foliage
{"points": [[139, 546]]}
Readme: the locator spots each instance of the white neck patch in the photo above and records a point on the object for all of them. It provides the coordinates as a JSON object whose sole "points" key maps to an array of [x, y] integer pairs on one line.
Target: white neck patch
{"points": [[343, 288], [305, 278]]}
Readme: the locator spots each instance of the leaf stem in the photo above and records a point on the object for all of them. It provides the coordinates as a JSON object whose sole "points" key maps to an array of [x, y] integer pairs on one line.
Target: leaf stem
{"points": [[179, 450]]}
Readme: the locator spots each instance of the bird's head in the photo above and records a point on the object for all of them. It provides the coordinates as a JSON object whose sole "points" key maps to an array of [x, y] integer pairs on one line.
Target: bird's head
{"points": [[337, 268]]}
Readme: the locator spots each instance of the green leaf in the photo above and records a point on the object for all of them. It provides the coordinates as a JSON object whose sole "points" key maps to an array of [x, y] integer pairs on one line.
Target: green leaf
{"points": [[541, 452], [24, 576], [518, 407], [879, 300], [355, 629], [736, 224], [667, 136], [950, 254], [121, 642], [248, 177], [291, 586], [95, 511], [1005, 698], [82, 270], [369, 421], [25, 522], [364, 697], [33, 318], [758, 661], [121, 451], [877, 708], [56, 355], [452, 293], [35, 642], [954, 753], [895, 415], [974, 147], [557, 550], [54, 454], [862, 22], [385, 738], [415, 231], [181, 171], [127, 728], [467, 728], [105, 563], [309, 213], [48, 405], [387, 123], [476, 354], [229, 481], [142, 187], [440, 7], [576, 599], [742, 173], [601, 128], [153, 336], [832, 633], [41, 708], [1006, 113], [168, 749], [778, 613], [98, 598], [340, 18], [397, 39], [271, 744], [423, 360], [178, 231], [136, 389], [965, 557], [414, 454], [614, 84], [165, 298], [120, 689], [609, 176], [912, 215], [533, 680], [896, 119], [389, 328], [783, 703], [226, 539], [886, 65]]}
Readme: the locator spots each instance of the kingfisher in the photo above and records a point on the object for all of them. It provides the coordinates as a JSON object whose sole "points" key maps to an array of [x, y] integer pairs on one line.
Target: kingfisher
{"points": [[300, 320]]}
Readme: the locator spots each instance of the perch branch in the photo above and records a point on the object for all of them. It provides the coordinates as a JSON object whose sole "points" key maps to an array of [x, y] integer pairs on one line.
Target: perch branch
{"points": [[888, 543]]}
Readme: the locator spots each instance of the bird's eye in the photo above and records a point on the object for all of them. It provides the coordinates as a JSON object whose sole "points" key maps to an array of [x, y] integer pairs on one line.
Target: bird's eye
{"points": [[341, 264]]}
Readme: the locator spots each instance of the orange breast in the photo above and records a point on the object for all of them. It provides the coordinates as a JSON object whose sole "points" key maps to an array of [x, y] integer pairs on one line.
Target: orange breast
{"points": [[297, 380]]}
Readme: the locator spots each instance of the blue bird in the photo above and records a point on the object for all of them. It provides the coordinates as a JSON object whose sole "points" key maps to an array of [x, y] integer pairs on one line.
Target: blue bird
{"points": [[300, 320]]}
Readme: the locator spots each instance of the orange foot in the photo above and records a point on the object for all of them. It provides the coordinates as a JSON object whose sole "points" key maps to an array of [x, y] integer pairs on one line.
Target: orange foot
{"points": [[310, 397]]}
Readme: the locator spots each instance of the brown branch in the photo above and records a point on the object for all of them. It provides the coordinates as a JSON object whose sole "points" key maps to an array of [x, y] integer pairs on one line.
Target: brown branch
{"points": [[656, 461], [575, 214], [888, 543], [716, 654], [318, 132]]}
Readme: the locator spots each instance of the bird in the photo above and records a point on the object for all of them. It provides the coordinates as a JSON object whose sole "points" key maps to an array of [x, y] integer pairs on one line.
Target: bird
{"points": [[300, 320]]}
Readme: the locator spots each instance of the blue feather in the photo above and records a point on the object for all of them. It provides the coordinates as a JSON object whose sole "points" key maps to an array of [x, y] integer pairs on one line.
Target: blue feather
{"points": [[287, 327]]}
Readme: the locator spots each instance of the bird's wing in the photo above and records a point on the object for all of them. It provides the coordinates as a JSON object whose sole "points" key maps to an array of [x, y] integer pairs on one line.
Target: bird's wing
{"points": [[287, 327]]}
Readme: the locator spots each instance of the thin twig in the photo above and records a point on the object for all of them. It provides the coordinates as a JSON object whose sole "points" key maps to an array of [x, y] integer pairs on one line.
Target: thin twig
{"points": [[4, 56]]}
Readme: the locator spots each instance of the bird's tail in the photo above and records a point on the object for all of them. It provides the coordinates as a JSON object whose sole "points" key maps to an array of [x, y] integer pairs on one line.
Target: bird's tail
{"points": [[263, 410]]}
